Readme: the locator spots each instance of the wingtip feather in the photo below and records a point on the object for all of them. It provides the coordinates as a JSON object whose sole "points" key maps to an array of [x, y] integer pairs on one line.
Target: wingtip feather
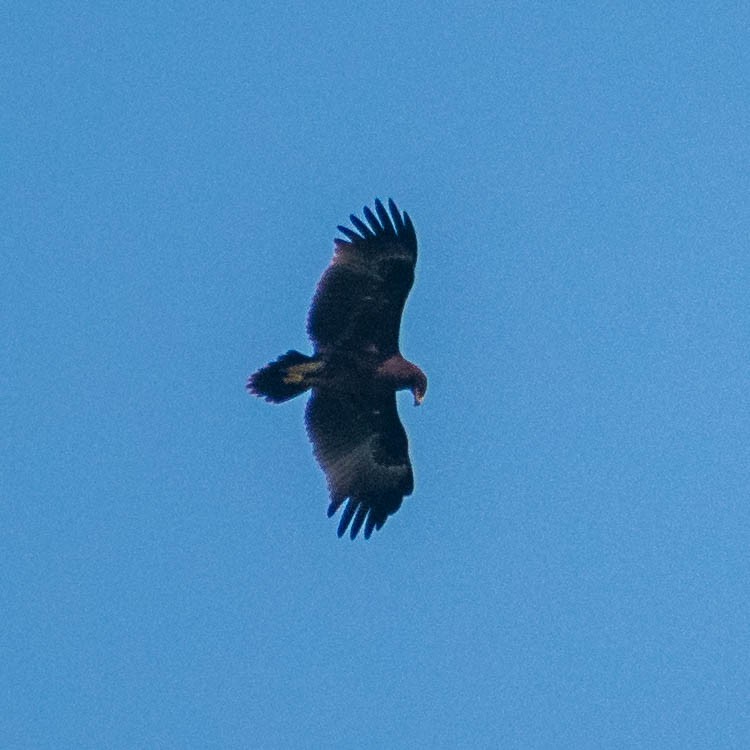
{"points": [[346, 516], [350, 234], [385, 220], [398, 222], [409, 229], [372, 220], [337, 501], [364, 230], [359, 519]]}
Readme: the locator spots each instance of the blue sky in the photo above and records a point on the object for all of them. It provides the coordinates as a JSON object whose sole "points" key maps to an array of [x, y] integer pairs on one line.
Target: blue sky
{"points": [[572, 569]]}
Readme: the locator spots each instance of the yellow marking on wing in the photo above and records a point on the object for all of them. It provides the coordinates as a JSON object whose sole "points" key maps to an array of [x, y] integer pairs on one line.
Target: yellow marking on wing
{"points": [[297, 373]]}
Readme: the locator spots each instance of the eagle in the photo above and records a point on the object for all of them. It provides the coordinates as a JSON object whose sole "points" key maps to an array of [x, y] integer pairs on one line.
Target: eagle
{"points": [[356, 368]]}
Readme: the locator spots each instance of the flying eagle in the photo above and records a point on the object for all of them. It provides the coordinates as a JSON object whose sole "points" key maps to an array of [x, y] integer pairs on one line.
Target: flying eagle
{"points": [[356, 369]]}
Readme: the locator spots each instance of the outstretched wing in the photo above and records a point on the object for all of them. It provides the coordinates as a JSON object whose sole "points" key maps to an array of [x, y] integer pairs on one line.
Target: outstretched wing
{"points": [[361, 295], [361, 446]]}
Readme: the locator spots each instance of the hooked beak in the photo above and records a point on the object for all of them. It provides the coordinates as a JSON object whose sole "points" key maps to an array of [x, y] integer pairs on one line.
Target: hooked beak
{"points": [[418, 398]]}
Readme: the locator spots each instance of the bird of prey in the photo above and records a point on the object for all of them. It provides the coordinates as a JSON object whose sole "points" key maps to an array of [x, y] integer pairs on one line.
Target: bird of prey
{"points": [[356, 368]]}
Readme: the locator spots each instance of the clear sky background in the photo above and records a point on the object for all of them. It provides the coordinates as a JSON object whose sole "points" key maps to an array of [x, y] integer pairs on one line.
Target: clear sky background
{"points": [[572, 569]]}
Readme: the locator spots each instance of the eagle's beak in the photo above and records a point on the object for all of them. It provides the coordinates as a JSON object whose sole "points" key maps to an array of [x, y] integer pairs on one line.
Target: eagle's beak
{"points": [[418, 398]]}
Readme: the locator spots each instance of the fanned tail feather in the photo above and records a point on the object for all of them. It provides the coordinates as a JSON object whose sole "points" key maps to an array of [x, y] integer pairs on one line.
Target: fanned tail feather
{"points": [[285, 378]]}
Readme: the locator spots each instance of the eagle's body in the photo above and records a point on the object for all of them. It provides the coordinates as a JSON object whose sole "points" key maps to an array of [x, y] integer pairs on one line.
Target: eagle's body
{"points": [[356, 369]]}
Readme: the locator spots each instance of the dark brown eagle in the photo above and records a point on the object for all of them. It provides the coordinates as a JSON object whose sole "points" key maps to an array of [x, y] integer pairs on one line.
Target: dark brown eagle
{"points": [[356, 369]]}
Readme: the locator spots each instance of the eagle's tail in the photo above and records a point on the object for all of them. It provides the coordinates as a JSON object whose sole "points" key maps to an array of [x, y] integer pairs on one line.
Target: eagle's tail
{"points": [[285, 378]]}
